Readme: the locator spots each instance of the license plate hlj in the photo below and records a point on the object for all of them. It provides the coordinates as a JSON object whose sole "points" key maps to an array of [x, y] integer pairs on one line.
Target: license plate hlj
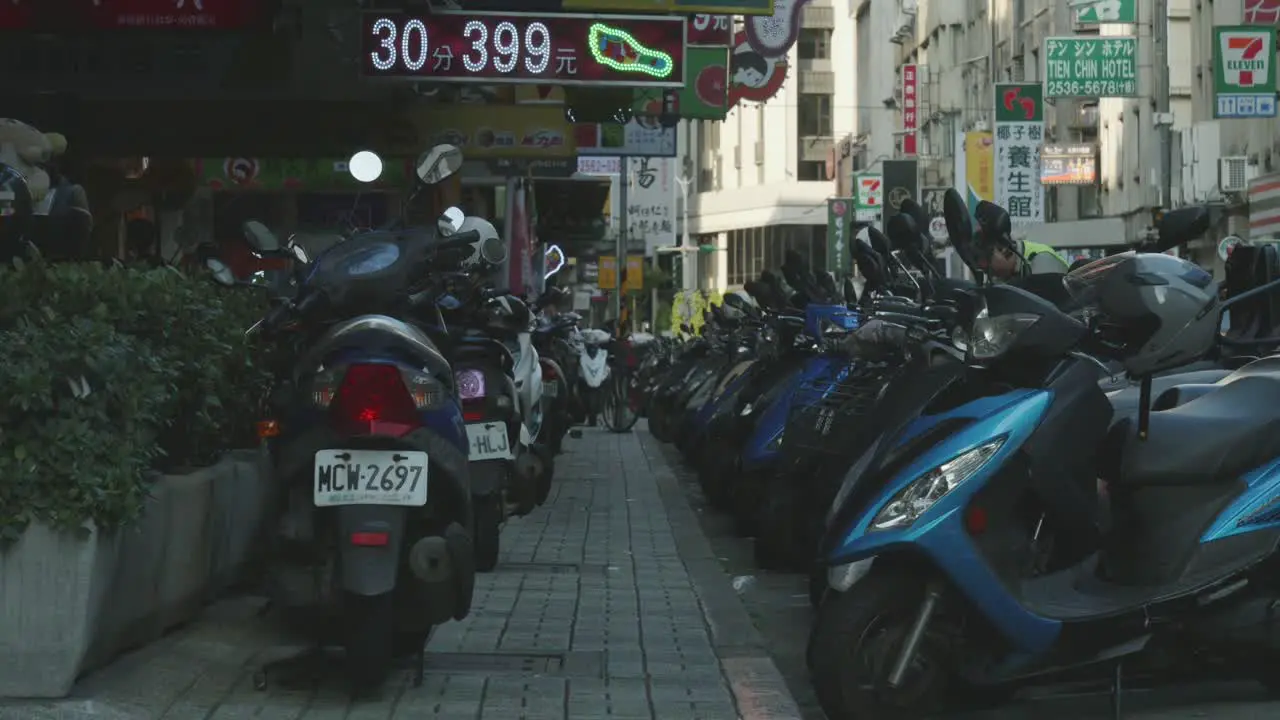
{"points": [[488, 441], [370, 477]]}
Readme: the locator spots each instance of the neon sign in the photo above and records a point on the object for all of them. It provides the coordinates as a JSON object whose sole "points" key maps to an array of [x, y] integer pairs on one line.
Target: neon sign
{"points": [[617, 49], [560, 49], [553, 260]]}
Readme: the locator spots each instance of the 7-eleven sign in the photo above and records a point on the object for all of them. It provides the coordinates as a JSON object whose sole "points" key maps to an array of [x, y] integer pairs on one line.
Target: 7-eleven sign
{"points": [[1244, 71], [868, 196]]}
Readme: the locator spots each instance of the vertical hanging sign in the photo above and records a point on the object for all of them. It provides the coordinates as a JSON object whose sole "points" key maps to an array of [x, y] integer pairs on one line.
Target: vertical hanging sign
{"points": [[910, 119], [839, 214], [1019, 134]]}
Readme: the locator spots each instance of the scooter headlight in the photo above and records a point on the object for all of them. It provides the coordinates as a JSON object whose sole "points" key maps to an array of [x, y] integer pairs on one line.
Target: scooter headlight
{"points": [[916, 499]]}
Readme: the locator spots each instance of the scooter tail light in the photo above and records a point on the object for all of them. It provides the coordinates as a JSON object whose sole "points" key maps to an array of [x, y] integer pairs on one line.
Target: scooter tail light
{"points": [[375, 399], [470, 384], [423, 389]]}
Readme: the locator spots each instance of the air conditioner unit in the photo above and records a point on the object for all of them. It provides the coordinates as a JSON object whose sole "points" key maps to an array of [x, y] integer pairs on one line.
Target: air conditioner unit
{"points": [[1234, 174], [897, 93], [981, 126], [737, 156], [759, 153], [909, 7]]}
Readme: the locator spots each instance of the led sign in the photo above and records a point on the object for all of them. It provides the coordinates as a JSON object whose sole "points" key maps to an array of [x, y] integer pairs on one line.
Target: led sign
{"points": [[597, 50]]}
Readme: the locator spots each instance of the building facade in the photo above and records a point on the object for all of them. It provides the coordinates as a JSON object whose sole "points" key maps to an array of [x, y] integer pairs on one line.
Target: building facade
{"points": [[761, 179]]}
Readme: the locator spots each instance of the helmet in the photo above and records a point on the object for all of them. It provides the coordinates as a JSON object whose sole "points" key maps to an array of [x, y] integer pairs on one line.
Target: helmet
{"points": [[489, 249], [1159, 311], [735, 304]]}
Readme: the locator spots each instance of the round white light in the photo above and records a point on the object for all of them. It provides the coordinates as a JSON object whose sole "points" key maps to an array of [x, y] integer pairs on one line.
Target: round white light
{"points": [[365, 166]]}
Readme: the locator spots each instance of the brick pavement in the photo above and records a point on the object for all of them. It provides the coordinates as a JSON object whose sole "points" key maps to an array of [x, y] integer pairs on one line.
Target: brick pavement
{"points": [[608, 603]]}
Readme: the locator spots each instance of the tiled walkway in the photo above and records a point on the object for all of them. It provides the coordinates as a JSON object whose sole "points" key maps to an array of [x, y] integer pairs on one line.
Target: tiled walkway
{"points": [[607, 604]]}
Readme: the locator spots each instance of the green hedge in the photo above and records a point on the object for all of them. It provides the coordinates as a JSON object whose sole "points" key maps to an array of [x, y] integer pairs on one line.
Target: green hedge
{"points": [[107, 374]]}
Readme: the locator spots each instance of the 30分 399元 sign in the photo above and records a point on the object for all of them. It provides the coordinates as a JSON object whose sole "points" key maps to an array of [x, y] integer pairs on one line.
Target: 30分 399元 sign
{"points": [[514, 48]]}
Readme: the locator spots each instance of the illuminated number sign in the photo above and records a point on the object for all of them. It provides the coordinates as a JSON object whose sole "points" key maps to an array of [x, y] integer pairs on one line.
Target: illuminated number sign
{"points": [[526, 48]]}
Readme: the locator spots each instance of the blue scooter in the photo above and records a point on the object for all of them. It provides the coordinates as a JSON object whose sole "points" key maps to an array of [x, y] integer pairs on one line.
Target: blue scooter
{"points": [[965, 551]]}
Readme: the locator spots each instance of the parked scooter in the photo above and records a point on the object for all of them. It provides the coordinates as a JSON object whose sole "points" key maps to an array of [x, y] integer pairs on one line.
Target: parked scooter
{"points": [[593, 370], [373, 544], [971, 532]]}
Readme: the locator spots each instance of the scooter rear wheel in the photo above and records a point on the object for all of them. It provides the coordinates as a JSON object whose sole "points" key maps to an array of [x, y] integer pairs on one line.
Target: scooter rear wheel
{"points": [[369, 641], [487, 531]]}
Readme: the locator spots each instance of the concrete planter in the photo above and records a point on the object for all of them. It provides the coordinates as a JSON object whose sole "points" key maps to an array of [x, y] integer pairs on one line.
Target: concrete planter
{"points": [[68, 605]]}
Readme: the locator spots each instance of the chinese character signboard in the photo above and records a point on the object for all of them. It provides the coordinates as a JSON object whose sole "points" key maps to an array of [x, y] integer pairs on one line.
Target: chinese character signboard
{"points": [[709, 31], [975, 167], [642, 136], [1094, 67], [1244, 76], [931, 199], [559, 49], [1069, 164], [651, 202], [1018, 138], [868, 189], [1092, 12], [910, 120], [839, 215]]}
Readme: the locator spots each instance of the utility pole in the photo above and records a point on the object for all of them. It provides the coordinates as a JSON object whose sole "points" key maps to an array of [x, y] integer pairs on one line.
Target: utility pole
{"points": [[1164, 115], [620, 251], [688, 253]]}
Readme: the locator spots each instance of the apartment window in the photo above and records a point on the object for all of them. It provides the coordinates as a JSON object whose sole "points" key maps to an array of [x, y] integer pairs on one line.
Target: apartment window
{"points": [[813, 115], [812, 171], [814, 44]]}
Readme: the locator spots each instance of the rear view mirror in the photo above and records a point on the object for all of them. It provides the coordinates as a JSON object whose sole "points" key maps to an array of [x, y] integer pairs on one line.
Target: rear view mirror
{"points": [[736, 302], [1176, 227], [260, 237], [16, 207], [493, 250], [438, 163], [868, 260], [299, 254], [221, 273], [959, 227], [996, 226], [451, 221]]}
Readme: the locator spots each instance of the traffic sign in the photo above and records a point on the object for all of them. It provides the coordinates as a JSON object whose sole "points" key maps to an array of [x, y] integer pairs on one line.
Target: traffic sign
{"points": [[1094, 67], [1244, 76]]}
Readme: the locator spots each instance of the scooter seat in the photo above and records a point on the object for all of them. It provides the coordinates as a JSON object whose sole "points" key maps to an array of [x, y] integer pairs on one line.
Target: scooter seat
{"points": [[1216, 437]]}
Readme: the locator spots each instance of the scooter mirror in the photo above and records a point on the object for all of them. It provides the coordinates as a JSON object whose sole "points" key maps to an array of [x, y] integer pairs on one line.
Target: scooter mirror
{"points": [[438, 163], [221, 273]]}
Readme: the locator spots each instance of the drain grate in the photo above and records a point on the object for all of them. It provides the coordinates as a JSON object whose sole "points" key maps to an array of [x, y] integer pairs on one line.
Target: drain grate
{"points": [[584, 664], [542, 568]]}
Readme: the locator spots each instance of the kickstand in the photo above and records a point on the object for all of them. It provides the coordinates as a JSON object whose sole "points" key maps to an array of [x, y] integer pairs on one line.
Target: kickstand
{"points": [[307, 666], [1117, 689], [420, 665]]}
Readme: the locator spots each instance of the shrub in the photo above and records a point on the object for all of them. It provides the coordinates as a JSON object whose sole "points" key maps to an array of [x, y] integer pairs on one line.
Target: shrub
{"points": [[109, 373]]}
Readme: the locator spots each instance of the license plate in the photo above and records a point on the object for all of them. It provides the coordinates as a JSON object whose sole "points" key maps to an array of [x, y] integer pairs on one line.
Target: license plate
{"points": [[551, 389], [370, 477], [488, 441]]}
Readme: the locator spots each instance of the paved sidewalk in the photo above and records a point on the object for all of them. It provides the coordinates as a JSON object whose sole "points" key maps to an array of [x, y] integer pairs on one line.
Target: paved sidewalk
{"points": [[608, 603]]}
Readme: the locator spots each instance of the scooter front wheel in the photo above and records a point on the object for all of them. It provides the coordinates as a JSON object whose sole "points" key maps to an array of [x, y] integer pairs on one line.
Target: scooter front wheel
{"points": [[855, 642]]}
